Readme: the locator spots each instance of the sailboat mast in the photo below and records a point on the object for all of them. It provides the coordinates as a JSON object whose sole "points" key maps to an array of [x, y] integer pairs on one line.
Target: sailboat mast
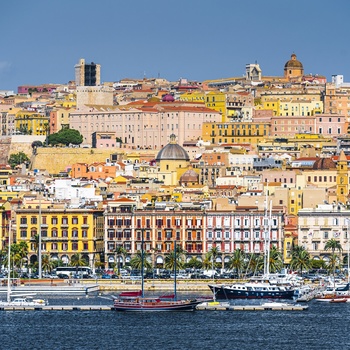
{"points": [[142, 263], [9, 266], [268, 240], [175, 265], [265, 231]]}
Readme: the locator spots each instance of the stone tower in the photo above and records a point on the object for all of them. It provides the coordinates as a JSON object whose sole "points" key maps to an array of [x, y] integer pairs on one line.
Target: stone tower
{"points": [[342, 178]]}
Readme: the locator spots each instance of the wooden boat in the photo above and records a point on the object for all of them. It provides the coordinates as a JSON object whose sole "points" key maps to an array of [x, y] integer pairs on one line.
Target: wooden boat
{"points": [[135, 301]]}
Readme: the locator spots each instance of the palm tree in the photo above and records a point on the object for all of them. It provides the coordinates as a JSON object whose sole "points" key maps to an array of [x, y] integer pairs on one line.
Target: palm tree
{"points": [[47, 263], [300, 259], [275, 260], [120, 252], [207, 261], [237, 261], [3, 254], [255, 263], [136, 261], [334, 246], [22, 251], [171, 262], [214, 252]]}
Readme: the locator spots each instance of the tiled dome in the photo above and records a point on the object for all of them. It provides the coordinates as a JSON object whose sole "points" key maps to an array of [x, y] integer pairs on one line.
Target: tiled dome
{"points": [[293, 62], [172, 151]]}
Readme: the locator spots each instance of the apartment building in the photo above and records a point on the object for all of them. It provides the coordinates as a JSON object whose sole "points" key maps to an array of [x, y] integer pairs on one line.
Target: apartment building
{"points": [[64, 231], [196, 231]]}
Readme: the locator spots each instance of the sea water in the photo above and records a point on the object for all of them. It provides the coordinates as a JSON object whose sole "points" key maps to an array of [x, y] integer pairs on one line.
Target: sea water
{"points": [[322, 326]]}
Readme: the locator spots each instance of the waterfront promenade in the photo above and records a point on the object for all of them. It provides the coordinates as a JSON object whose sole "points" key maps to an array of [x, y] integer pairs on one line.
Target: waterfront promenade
{"points": [[66, 286]]}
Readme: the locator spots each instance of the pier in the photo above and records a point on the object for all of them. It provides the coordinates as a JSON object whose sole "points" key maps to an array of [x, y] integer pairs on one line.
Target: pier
{"points": [[210, 306]]}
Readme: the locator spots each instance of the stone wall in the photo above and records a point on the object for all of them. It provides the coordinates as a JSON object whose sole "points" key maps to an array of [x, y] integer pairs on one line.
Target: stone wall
{"points": [[58, 159]]}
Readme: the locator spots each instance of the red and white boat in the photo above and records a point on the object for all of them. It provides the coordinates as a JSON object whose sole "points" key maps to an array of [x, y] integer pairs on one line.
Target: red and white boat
{"points": [[133, 301]]}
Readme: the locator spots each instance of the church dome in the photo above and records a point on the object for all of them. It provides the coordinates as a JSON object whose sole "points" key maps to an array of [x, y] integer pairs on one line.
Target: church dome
{"points": [[293, 63], [190, 176], [172, 151], [168, 98], [323, 164]]}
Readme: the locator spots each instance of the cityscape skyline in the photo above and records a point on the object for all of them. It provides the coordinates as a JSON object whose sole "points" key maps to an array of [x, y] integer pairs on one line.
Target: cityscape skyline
{"points": [[198, 41]]}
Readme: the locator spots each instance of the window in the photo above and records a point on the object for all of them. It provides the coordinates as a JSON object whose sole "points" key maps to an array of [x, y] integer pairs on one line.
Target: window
{"points": [[75, 233], [54, 233], [84, 233], [23, 233], [23, 221], [74, 246], [54, 221], [74, 220], [33, 220], [65, 221]]}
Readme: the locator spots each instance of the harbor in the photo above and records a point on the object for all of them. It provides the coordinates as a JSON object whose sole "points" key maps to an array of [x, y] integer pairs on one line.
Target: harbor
{"points": [[214, 306]]}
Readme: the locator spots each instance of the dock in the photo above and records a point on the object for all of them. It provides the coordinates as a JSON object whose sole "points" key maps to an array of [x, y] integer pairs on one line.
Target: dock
{"points": [[58, 308], [210, 306], [217, 306]]}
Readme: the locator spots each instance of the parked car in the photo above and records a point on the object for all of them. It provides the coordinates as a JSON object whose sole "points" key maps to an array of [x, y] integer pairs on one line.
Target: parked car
{"points": [[106, 276]]}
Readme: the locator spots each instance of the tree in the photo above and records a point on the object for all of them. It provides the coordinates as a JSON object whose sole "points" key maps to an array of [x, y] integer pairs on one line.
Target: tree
{"points": [[214, 252], [333, 245], [17, 159], [194, 263], [301, 259], [65, 137], [237, 261], [36, 144], [120, 251], [77, 260], [136, 261], [46, 263], [255, 263], [171, 262], [275, 260]]}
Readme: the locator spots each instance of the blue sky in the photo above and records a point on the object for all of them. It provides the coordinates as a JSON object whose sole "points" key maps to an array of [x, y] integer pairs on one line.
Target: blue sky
{"points": [[42, 40]]}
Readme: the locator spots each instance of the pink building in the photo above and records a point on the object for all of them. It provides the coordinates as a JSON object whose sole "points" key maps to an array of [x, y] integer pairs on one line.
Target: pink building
{"points": [[324, 124], [146, 127]]}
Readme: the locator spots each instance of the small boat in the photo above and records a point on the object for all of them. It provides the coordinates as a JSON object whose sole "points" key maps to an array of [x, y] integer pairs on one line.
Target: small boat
{"points": [[328, 298], [338, 300]]}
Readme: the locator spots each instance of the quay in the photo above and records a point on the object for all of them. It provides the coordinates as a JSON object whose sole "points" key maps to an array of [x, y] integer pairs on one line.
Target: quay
{"points": [[206, 306], [224, 306], [58, 308]]}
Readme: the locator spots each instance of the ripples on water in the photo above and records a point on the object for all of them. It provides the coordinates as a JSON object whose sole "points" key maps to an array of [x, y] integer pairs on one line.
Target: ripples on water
{"points": [[322, 327]]}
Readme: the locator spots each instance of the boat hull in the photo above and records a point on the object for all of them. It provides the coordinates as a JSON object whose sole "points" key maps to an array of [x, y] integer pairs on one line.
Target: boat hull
{"points": [[158, 306], [226, 292]]}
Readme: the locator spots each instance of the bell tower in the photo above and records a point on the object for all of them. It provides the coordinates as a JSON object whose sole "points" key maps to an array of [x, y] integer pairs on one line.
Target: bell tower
{"points": [[342, 178]]}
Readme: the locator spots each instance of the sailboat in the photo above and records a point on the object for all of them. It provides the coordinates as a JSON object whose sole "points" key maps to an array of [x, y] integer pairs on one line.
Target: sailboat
{"points": [[18, 299], [136, 301]]}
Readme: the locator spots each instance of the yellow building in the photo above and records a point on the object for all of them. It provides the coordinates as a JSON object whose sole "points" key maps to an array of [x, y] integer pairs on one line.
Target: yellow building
{"points": [[31, 123], [64, 231], [196, 96], [238, 132], [215, 100], [70, 101]]}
